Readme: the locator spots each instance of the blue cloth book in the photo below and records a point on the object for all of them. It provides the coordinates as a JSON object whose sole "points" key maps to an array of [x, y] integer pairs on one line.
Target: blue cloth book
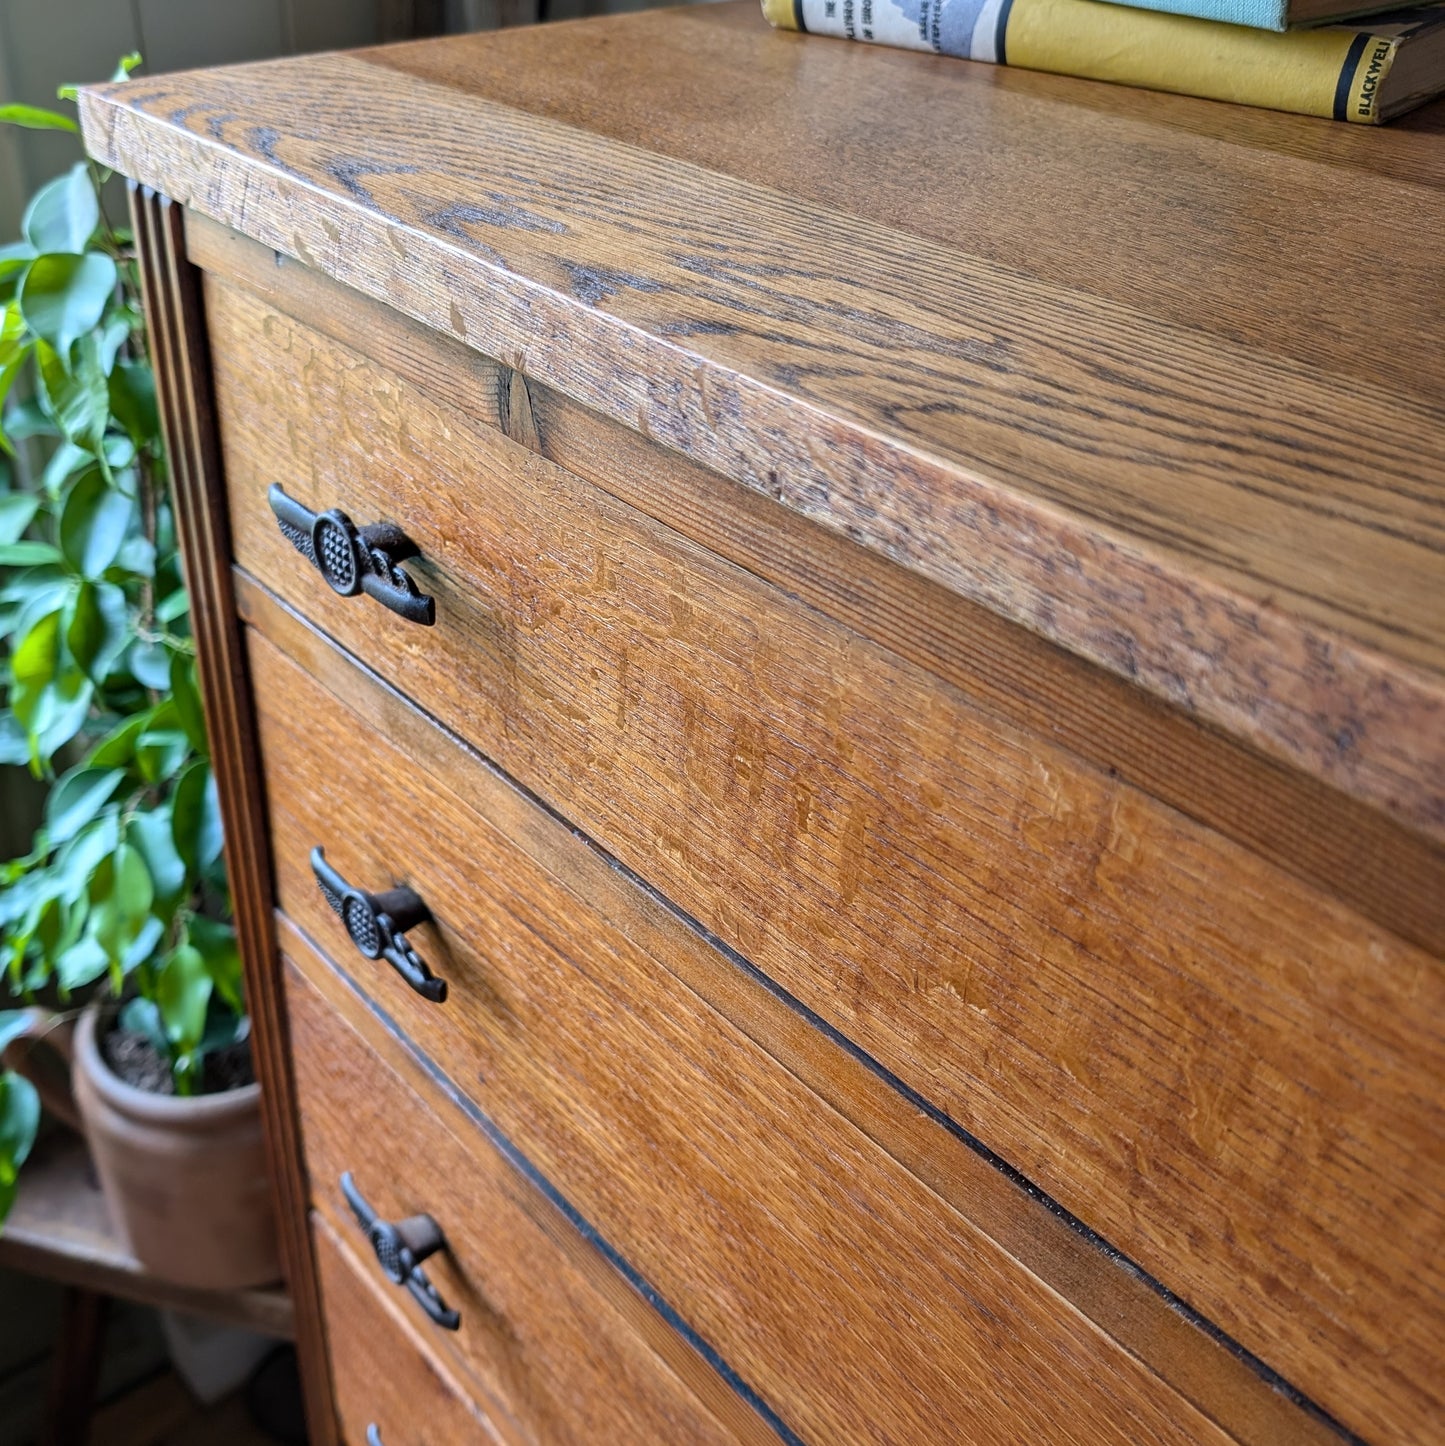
{"points": [[1263, 14]]}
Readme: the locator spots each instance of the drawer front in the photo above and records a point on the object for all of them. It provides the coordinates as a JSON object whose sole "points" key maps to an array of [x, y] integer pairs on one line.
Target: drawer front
{"points": [[384, 1375], [556, 1345], [843, 1291], [1231, 1067]]}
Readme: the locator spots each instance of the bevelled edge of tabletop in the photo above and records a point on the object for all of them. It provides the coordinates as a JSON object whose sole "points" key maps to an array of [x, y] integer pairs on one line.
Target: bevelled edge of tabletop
{"points": [[1252, 662]]}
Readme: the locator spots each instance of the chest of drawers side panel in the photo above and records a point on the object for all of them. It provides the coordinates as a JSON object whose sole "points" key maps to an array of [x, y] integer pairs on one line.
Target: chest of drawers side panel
{"points": [[178, 332]]}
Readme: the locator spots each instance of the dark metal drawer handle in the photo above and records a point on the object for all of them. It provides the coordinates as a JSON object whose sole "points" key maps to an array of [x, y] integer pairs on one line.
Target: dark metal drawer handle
{"points": [[378, 923], [400, 1249], [355, 559]]}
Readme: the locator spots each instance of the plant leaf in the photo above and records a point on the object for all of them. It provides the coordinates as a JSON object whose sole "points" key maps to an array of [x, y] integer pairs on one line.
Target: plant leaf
{"points": [[37, 655], [75, 394], [187, 699], [14, 742], [117, 748], [133, 890], [151, 664], [196, 817], [112, 337], [63, 215], [66, 461], [27, 419], [125, 65], [137, 556], [8, 373], [77, 862], [82, 963], [64, 296], [151, 833], [27, 554], [133, 400], [160, 753], [217, 942], [140, 949], [141, 1016], [33, 118], [59, 714], [99, 628], [77, 799], [17, 510], [94, 524], [175, 605], [19, 1121], [123, 894], [183, 990]]}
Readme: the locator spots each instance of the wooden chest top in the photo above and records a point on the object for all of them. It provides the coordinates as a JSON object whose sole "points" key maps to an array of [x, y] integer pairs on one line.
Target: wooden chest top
{"points": [[1159, 379]]}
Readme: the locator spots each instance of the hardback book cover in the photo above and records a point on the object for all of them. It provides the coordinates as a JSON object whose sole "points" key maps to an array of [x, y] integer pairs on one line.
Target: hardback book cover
{"points": [[1366, 71]]}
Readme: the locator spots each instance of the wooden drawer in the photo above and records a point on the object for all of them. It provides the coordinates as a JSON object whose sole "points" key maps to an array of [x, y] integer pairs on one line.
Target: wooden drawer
{"points": [[1216, 1066], [554, 1342], [384, 1374], [854, 1300]]}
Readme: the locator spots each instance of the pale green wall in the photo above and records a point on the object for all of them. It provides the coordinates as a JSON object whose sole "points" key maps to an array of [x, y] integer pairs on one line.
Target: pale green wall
{"points": [[44, 43]]}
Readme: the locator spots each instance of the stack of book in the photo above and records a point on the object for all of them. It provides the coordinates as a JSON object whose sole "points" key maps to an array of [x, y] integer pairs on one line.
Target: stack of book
{"points": [[1295, 55]]}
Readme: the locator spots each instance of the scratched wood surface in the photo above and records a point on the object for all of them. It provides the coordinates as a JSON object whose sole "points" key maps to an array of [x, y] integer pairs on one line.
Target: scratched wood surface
{"points": [[853, 1300], [386, 1375], [1239, 513], [1144, 1019], [558, 1346], [1211, 1373], [1383, 870]]}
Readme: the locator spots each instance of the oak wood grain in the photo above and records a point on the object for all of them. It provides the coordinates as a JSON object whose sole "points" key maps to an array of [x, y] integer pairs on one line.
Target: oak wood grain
{"points": [[561, 1345], [1110, 209], [1382, 870], [1020, 937], [1252, 536], [176, 328], [785, 1234], [925, 876], [1212, 1373], [386, 1375]]}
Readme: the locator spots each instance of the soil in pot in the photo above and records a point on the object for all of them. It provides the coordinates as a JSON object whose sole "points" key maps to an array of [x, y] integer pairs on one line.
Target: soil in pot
{"points": [[133, 1058]]}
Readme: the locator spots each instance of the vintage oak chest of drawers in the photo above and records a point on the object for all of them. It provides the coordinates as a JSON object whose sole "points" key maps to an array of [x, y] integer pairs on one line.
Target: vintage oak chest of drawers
{"points": [[828, 676]]}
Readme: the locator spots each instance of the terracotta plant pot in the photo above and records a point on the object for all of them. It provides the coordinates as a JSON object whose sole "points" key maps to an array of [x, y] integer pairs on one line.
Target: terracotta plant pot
{"points": [[185, 1179]]}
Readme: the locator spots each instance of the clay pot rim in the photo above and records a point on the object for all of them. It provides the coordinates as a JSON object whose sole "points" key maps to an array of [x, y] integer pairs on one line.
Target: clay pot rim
{"points": [[190, 1110]]}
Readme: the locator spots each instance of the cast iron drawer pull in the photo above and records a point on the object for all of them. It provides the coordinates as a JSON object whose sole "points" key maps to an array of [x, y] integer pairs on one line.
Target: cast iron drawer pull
{"points": [[355, 559], [378, 923], [400, 1250]]}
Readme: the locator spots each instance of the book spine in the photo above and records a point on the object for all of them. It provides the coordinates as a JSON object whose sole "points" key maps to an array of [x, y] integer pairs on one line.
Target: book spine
{"points": [[1333, 72]]}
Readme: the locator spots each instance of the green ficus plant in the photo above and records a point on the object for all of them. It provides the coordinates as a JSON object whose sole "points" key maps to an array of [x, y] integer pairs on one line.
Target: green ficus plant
{"points": [[123, 889]]}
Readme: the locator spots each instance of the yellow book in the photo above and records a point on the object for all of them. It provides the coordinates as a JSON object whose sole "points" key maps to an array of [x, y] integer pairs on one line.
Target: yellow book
{"points": [[1365, 71]]}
